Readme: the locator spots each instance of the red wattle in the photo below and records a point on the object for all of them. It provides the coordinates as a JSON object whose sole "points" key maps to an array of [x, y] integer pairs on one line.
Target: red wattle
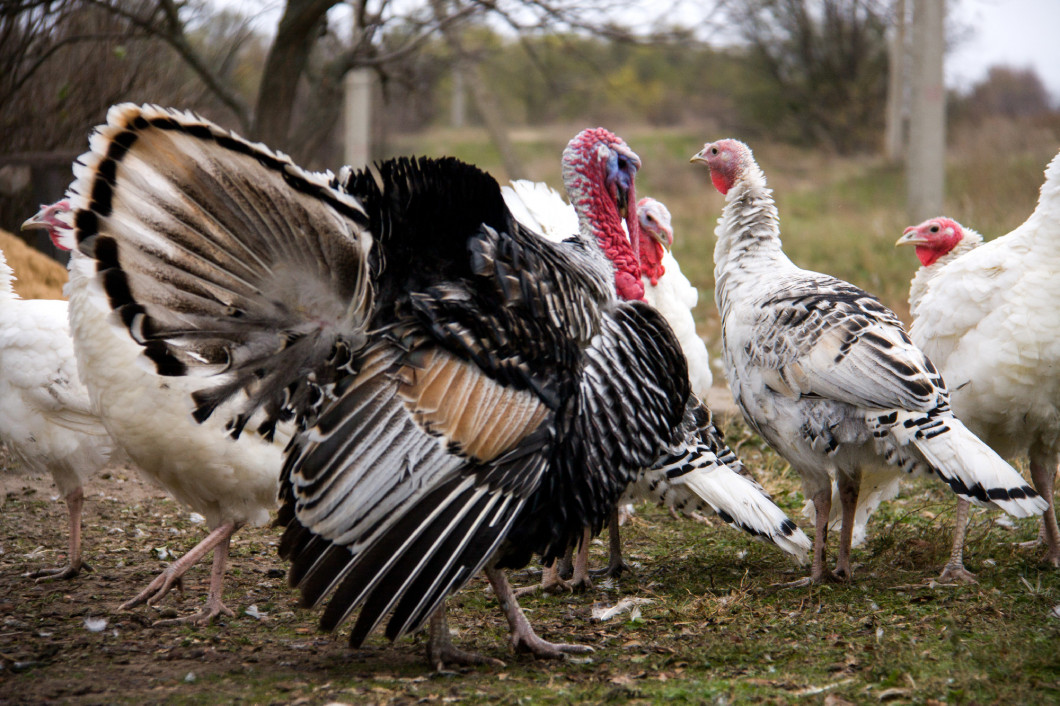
{"points": [[719, 181], [927, 256]]}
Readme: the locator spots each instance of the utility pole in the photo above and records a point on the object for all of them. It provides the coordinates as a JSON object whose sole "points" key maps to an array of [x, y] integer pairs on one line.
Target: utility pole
{"points": [[926, 159], [357, 109]]}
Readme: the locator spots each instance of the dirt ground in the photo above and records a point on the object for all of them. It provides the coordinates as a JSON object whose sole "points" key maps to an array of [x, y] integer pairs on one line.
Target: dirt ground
{"points": [[48, 651]]}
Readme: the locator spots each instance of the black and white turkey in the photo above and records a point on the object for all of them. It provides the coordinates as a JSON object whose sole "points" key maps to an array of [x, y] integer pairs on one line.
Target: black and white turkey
{"points": [[827, 375], [471, 394]]}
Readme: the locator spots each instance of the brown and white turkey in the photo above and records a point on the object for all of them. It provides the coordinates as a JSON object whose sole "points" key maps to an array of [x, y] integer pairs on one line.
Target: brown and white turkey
{"points": [[827, 375], [229, 481], [470, 393]]}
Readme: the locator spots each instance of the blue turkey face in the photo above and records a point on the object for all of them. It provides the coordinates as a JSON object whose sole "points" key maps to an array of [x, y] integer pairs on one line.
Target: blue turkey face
{"points": [[621, 173]]}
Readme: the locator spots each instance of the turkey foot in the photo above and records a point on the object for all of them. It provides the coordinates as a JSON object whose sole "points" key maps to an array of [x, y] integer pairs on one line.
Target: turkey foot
{"points": [[74, 565], [61, 572], [218, 541], [441, 650], [580, 580], [822, 505], [954, 571], [523, 638], [550, 583]]}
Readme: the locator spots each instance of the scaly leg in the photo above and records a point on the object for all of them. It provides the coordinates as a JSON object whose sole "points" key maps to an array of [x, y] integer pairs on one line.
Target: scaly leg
{"points": [[218, 541], [580, 580], [615, 565], [523, 638], [440, 647], [849, 485], [1044, 476], [551, 578], [822, 505], [954, 570], [74, 502]]}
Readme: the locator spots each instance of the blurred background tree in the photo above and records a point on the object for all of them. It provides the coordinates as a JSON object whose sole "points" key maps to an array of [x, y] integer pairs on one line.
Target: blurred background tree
{"points": [[806, 72]]}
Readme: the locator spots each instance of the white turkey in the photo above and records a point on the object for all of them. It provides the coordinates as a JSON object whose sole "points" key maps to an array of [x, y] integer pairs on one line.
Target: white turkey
{"points": [[46, 418], [471, 393], [827, 375], [935, 248], [938, 242], [668, 290], [665, 288], [989, 320], [229, 481]]}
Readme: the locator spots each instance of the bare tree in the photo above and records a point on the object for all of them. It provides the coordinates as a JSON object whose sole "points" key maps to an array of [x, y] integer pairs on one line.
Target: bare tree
{"points": [[825, 62]]}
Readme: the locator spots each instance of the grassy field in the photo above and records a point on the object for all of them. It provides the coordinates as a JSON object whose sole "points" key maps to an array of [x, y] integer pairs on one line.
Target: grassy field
{"points": [[716, 630]]}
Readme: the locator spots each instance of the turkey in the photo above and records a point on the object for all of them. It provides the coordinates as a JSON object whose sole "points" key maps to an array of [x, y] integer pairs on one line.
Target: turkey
{"points": [[672, 294], [989, 320], [827, 375], [668, 290], [938, 242], [229, 481], [46, 418], [935, 248], [469, 393]]}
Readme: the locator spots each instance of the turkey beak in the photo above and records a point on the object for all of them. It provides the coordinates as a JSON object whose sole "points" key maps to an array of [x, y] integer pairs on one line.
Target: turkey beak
{"points": [[35, 221], [665, 236], [911, 236], [700, 156]]}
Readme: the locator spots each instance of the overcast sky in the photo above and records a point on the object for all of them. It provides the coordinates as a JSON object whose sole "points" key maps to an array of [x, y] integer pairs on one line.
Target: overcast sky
{"points": [[1019, 33]]}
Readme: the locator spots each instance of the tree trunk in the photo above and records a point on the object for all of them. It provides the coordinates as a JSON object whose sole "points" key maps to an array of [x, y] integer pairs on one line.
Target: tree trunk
{"points": [[283, 68], [894, 129]]}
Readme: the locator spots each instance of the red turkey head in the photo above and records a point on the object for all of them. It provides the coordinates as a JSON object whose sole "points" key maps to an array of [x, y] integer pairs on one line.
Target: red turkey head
{"points": [[599, 171], [656, 233], [52, 218], [933, 238], [726, 160]]}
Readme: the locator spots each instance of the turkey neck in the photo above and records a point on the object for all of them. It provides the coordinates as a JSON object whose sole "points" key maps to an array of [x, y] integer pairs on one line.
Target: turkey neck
{"points": [[599, 218], [748, 247], [924, 275]]}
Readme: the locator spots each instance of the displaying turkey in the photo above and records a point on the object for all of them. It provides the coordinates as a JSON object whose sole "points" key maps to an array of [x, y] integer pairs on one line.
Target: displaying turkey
{"points": [[229, 481], [988, 319], [46, 418], [827, 375], [471, 394]]}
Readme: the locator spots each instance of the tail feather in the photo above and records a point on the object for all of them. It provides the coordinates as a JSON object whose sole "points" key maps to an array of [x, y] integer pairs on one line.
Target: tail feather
{"points": [[971, 468], [698, 483]]}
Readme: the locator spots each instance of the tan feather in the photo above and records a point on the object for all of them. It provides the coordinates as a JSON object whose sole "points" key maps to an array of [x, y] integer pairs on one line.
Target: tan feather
{"points": [[455, 399]]}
